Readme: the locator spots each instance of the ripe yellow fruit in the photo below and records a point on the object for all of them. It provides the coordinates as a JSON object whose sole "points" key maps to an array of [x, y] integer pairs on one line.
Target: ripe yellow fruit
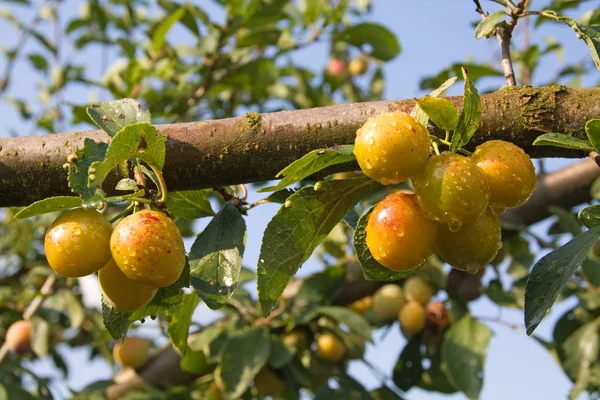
{"points": [[398, 235], [391, 147], [267, 383], [418, 289], [296, 339], [18, 337], [474, 246], [122, 293], [358, 66], [148, 248], [412, 319], [77, 243], [330, 348], [133, 352], [508, 171], [388, 301], [361, 306], [451, 190]]}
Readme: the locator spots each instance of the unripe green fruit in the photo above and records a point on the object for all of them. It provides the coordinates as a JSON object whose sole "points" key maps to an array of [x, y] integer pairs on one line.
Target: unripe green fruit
{"points": [[391, 147], [508, 171], [330, 348], [412, 319], [451, 190], [148, 248], [77, 243], [124, 294], [418, 289], [474, 246], [358, 66], [390, 233], [388, 301]]}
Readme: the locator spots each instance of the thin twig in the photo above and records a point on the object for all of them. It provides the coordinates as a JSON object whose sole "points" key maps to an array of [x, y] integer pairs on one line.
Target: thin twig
{"points": [[33, 307]]}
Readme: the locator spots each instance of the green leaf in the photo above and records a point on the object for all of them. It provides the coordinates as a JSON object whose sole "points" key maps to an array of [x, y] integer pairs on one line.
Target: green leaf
{"points": [[591, 270], [298, 228], [165, 297], [589, 34], [40, 335], [489, 23], [409, 367], [317, 288], [418, 114], [159, 36], [280, 354], [116, 323], [140, 140], [470, 116], [311, 163], [563, 141], [383, 42], [592, 129], [566, 219], [78, 175], [112, 116], [51, 204], [190, 204], [372, 270], [581, 351], [463, 352], [39, 62], [590, 216], [181, 319], [355, 322], [550, 274], [263, 36], [75, 310], [441, 112], [253, 347], [216, 257]]}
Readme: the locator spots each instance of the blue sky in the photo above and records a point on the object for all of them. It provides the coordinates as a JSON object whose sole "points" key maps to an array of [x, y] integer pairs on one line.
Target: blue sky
{"points": [[433, 34]]}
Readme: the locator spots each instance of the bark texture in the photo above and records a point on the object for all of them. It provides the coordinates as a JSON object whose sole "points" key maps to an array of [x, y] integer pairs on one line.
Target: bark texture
{"points": [[254, 147]]}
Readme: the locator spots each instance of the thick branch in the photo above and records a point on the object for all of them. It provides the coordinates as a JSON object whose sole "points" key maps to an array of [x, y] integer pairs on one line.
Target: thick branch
{"points": [[254, 147]]}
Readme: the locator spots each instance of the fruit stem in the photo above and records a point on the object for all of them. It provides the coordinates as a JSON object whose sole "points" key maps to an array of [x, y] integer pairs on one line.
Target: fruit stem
{"points": [[122, 213], [447, 138], [435, 147], [162, 183], [436, 139]]}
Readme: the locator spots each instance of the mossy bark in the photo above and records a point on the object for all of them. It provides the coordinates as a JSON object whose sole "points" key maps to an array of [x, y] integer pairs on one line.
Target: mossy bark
{"points": [[254, 147]]}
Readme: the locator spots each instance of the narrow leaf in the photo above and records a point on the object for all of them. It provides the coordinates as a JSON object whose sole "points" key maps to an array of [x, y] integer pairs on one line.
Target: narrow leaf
{"points": [[49, 205], [464, 351], [112, 116], [563, 141], [470, 116], [159, 37], [409, 367], [550, 274], [489, 23], [216, 257], [298, 228], [311, 163]]}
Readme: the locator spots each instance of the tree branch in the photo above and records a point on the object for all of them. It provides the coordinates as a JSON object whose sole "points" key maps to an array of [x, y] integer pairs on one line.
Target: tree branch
{"points": [[255, 147]]}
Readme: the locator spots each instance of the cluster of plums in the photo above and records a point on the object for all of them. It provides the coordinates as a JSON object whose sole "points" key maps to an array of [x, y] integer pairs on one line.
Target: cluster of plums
{"points": [[143, 253], [408, 304], [453, 210]]}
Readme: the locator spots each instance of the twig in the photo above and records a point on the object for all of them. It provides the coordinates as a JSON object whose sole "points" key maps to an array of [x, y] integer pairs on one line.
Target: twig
{"points": [[280, 310], [33, 307], [596, 157]]}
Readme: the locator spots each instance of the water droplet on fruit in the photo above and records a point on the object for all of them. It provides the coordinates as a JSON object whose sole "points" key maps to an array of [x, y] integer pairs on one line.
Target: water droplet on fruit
{"points": [[371, 140], [132, 253], [393, 123], [77, 232], [454, 226], [374, 125], [368, 164]]}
